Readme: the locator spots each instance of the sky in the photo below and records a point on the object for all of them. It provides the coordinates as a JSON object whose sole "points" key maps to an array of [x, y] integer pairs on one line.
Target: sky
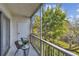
{"points": [[72, 10]]}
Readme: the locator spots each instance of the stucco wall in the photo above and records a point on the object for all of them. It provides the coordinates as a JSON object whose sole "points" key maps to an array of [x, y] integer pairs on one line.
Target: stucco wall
{"points": [[15, 22]]}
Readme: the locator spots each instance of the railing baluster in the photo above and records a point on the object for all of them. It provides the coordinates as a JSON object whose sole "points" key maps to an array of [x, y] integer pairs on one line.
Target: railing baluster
{"points": [[58, 53], [38, 44], [49, 48], [43, 48], [46, 50], [51, 51], [63, 54]]}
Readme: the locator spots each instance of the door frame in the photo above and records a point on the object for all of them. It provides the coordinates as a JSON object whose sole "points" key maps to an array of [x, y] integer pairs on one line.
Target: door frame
{"points": [[7, 19]]}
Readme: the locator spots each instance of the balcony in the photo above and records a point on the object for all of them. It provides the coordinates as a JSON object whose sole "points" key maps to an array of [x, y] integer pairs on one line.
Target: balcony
{"points": [[21, 24]]}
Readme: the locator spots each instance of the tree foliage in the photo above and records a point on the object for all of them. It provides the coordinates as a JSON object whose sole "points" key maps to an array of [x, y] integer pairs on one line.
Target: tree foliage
{"points": [[36, 27], [54, 23]]}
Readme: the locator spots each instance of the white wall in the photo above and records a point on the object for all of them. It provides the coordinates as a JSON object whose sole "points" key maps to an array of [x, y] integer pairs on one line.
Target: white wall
{"points": [[15, 22], [23, 28]]}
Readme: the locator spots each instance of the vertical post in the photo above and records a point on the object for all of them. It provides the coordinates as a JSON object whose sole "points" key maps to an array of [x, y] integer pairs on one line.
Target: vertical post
{"points": [[41, 45], [31, 25], [30, 28]]}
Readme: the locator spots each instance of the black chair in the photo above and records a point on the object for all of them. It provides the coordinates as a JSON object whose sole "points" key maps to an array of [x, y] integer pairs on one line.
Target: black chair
{"points": [[22, 44]]}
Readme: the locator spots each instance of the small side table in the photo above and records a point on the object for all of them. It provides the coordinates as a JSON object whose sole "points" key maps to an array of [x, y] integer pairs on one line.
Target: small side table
{"points": [[25, 49]]}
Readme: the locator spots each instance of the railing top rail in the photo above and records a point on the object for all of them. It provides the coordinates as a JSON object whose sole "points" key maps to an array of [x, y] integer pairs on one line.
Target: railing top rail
{"points": [[57, 47]]}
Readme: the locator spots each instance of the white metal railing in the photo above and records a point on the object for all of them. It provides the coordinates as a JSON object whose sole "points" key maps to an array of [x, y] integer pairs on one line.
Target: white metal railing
{"points": [[49, 49]]}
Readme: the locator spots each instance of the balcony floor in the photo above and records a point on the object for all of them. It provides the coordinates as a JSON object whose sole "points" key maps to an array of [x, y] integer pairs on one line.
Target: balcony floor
{"points": [[32, 52]]}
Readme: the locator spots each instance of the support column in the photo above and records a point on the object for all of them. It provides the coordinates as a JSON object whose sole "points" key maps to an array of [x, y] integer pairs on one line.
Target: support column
{"points": [[30, 28], [41, 43]]}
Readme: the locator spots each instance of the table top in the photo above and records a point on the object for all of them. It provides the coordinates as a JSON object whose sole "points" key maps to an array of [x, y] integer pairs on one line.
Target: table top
{"points": [[26, 46]]}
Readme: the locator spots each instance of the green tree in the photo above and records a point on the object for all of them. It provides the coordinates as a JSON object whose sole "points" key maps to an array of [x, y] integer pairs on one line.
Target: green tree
{"points": [[54, 23], [36, 27]]}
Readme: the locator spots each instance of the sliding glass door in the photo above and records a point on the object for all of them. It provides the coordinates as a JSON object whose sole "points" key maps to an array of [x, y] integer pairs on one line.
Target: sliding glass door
{"points": [[4, 34]]}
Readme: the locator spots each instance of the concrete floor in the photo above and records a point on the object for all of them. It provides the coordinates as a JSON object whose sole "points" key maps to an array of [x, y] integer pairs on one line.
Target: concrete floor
{"points": [[12, 51]]}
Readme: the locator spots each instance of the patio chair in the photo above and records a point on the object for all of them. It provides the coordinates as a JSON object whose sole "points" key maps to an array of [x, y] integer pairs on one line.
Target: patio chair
{"points": [[23, 45]]}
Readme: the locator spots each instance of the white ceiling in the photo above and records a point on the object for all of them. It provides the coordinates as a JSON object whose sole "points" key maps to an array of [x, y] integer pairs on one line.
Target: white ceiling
{"points": [[22, 9]]}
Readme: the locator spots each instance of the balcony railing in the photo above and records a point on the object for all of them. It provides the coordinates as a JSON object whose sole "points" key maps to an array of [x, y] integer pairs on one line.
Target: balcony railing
{"points": [[48, 49]]}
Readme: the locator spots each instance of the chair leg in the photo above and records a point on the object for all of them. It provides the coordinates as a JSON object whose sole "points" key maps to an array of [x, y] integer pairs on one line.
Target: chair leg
{"points": [[28, 51], [16, 52], [24, 52]]}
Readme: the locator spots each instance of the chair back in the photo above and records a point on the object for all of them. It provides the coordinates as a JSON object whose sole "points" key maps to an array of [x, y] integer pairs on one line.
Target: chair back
{"points": [[18, 46]]}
